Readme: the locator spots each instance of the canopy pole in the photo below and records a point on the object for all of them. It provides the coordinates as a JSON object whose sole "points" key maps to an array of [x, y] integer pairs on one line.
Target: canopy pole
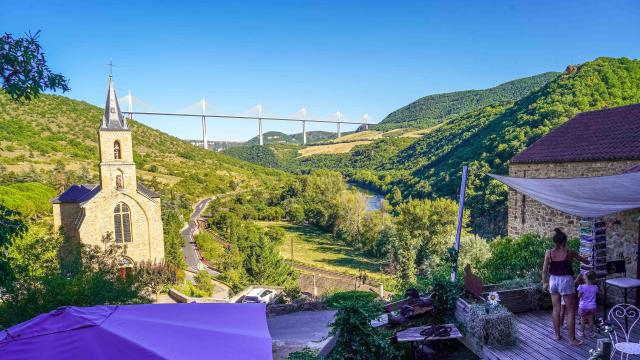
{"points": [[463, 187]]}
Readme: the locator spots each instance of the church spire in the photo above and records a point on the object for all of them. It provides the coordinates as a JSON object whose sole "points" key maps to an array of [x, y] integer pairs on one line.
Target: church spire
{"points": [[112, 118]]}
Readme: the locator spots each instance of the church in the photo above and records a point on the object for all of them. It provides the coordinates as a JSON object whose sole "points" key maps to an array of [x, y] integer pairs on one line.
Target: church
{"points": [[118, 205]]}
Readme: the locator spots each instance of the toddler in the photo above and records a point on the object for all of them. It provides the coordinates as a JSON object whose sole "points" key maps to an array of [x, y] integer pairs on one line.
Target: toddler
{"points": [[587, 305]]}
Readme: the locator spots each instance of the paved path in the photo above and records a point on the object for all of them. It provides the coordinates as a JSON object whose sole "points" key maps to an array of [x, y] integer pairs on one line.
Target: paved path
{"points": [[189, 247], [295, 331]]}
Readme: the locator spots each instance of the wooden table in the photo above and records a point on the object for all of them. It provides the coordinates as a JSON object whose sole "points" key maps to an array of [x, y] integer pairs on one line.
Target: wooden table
{"points": [[413, 335]]}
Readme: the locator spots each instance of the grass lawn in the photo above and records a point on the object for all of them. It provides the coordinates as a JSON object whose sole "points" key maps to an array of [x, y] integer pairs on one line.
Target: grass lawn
{"points": [[317, 248]]}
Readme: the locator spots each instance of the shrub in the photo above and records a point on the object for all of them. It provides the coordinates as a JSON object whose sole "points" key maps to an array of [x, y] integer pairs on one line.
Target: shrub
{"points": [[211, 249], [517, 257], [203, 282], [336, 299], [191, 290], [357, 339], [305, 354], [445, 294]]}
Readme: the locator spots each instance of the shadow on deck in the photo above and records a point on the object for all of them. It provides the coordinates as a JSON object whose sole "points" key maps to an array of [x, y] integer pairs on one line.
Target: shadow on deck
{"points": [[536, 342]]}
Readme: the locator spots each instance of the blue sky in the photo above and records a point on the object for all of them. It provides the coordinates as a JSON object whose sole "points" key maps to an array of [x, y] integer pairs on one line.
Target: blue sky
{"points": [[353, 56]]}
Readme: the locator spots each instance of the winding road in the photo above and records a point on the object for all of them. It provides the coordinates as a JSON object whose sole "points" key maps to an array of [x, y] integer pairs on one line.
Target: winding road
{"points": [[189, 248]]}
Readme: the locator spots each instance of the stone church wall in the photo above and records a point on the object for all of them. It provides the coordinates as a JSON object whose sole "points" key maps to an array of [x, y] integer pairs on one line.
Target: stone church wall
{"points": [[145, 233]]}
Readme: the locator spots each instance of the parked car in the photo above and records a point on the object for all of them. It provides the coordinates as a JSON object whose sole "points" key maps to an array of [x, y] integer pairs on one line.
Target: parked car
{"points": [[259, 295]]}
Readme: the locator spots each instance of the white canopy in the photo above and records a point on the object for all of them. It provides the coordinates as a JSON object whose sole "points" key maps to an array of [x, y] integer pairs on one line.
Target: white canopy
{"points": [[587, 197]]}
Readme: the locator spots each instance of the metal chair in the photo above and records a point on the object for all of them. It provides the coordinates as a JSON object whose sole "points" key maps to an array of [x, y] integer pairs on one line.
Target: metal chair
{"points": [[620, 317], [624, 283]]}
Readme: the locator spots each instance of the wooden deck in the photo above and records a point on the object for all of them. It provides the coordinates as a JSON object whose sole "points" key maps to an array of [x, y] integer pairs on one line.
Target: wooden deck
{"points": [[536, 341]]}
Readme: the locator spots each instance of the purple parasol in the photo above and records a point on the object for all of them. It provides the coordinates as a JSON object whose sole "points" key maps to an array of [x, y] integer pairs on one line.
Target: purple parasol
{"points": [[161, 331]]}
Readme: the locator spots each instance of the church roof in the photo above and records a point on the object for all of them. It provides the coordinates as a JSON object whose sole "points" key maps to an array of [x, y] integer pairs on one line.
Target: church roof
{"points": [[112, 118], [77, 194], [146, 192], [84, 192], [602, 135]]}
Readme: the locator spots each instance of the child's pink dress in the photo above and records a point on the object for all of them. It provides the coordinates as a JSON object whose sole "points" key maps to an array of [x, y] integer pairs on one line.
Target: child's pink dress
{"points": [[587, 305]]}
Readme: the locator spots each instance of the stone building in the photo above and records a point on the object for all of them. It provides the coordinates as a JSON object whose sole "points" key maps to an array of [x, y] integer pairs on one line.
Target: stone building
{"points": [[118, 205], [596, 143]]}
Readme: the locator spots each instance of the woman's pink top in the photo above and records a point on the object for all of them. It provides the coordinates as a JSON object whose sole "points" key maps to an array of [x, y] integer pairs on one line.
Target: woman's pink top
{"points": [[587, 296]]}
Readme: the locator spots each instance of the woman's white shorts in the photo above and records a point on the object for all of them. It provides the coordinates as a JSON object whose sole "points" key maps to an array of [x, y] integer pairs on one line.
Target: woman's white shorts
{"points": [[563, 285]]}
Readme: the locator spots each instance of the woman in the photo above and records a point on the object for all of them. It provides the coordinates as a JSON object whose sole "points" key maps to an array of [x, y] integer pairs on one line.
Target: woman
{"points": [[557, 277]]}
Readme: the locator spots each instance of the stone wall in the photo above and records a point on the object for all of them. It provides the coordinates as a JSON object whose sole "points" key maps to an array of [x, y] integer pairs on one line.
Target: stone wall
{"points": [[529, 216]]}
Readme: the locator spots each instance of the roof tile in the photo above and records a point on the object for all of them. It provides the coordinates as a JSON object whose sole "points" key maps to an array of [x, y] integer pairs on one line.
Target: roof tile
{"points": [[608, 134]]}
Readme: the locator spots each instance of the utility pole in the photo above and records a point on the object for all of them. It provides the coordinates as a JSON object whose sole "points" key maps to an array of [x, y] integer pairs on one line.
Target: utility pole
{"points": [[204, 125], [260, 124]]}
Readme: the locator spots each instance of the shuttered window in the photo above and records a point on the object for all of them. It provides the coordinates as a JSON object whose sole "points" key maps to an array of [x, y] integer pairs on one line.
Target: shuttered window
{"points": [[122, 223]]}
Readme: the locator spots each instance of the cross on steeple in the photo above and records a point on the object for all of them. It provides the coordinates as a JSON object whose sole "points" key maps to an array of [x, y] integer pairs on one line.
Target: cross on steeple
{"points": [[110, 65]]}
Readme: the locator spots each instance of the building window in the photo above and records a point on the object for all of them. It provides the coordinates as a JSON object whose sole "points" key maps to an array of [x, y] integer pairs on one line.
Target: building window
{"points": [[122, 223], [116, 150]]}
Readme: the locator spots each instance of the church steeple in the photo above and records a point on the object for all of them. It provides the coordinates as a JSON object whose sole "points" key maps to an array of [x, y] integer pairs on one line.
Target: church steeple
{"points": [[112, 118], [117, 169]]}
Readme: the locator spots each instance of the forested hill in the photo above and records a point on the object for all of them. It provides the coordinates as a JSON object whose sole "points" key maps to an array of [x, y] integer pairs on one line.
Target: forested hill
{"points": [[433, 109], [485, 139], [53, 140], [277, 137]]}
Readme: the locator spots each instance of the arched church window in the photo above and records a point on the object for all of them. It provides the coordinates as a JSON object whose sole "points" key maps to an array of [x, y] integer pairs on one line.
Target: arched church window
{"points": [[116, 150], [122, 223]]}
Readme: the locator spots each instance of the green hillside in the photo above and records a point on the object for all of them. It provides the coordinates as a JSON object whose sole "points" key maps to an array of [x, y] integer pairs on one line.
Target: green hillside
{"points": [[277, 137], [272, 137], [314, 136], [54, 132], [433, 109], [52, 141], [485, 139]]}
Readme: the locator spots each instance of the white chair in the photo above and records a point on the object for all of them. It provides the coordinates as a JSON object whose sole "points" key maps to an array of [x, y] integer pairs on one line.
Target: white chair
{"points": [[624, 317]]}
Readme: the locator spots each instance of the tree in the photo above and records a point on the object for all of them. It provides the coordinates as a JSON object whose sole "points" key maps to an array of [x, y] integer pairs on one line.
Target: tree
{"points": [[264, 265], [395, 197], [433, 223], [405, 256], [23, 68], [153, 276], [98, 281], [350, 208], [28, 257]]}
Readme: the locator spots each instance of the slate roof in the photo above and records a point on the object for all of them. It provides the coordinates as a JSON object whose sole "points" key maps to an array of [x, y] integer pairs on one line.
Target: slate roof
{"points": [[84, 192], [112, 118], [146, 192], [77, 194], [609, 134]]}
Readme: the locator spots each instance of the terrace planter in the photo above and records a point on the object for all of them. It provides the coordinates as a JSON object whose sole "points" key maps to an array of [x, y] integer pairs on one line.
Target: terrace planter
{"points": [[522, 299], [494, 328]]}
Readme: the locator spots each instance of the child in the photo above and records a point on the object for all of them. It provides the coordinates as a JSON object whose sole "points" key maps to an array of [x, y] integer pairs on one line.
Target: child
{"points": [[587, 305]]}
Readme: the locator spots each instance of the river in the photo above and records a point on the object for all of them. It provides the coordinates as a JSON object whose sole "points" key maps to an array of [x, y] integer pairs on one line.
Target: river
{"points": [[374, 199]]}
